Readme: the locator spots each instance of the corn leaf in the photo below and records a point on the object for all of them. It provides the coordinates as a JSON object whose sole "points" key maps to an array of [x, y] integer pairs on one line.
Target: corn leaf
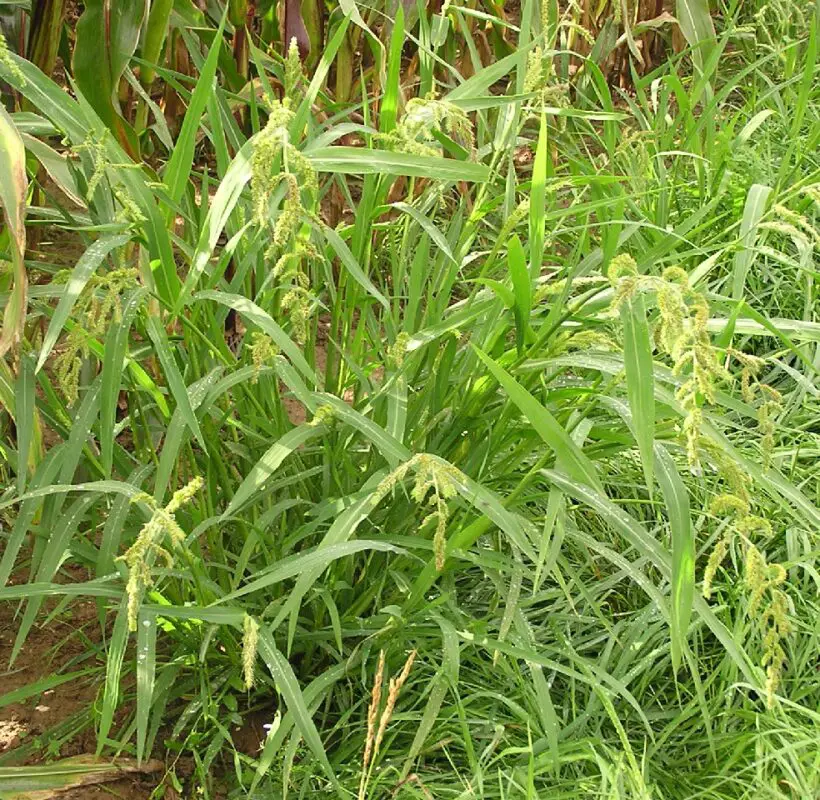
{"points": [[107, 36], [13, 191]]}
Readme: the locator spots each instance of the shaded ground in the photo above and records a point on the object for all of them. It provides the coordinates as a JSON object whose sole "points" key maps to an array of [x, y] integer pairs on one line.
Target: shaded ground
{"points": [[59, 647], [55, 723]]}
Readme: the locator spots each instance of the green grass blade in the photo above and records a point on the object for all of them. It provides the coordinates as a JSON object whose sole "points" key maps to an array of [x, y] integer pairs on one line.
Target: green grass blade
{"points": [[479, 84], [287, 684], [58, 541], [546, 426], [393, 450], [397, 408], [429, 228], [176, 384], [388, 109], [40, 687], [352, 266], [113, 528], [176, 430], [342, 529], [313, 694], [522, 290], [755, 206], [146, 675], [178, 169], [317, 80], [116, 347], [541, 169], [26, 591], [696, 24], [646, 544], [640, 381], [79, 434], [24, 420], [56, 165], [317, 560], [263, 320], [113, 671], [198, 614], [219, 211], [366, 161], [29, 508], [13, 191], [676, 500], [270, 462]]}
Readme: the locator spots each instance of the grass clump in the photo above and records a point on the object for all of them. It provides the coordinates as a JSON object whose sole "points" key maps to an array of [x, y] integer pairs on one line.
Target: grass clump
{"points": [[493, 371]]}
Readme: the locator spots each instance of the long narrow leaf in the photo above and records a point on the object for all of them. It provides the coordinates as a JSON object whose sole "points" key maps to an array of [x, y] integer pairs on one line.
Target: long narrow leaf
{"points": [[13, 189], [286, 683], [640, 380], [676, 500], [173, 376], [545, 425]]}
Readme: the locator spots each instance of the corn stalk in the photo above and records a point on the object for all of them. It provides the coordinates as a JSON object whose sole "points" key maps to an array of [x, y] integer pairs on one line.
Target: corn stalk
{"points": [[44, 33]]}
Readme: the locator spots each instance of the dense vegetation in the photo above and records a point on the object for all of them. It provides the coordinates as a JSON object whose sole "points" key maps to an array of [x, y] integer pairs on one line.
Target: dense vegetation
{"points": [[438, 386]]}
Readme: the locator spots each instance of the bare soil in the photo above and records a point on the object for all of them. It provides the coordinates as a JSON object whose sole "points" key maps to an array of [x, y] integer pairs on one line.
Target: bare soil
{"points": [[49, 650], [55, 723]]}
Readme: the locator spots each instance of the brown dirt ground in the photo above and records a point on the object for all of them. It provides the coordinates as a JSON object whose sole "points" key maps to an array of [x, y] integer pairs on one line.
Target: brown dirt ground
{"points": [[49, 650], [63, 646]]}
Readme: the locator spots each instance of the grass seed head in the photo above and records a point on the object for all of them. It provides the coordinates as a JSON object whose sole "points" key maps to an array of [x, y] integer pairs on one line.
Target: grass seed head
{"points": [[8, 62], [373, 712], [148, 544], [294, 76], [396, 685], [263, 351], [250, 642]]}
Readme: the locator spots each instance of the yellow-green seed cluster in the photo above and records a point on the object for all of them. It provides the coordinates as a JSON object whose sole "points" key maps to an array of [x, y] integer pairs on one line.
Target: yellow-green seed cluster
{"points": [[414, 133], [682, 334], [812, 191], [800, 226], [263, 350], [768, 401], [763, 580], [397, 351], [323, 415], [272, 144], [583, 340], [433, 477], [95, 147], [250, 643], [289, 245], [294, 76], [139, 558], [98, 305], [8, 62]]}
